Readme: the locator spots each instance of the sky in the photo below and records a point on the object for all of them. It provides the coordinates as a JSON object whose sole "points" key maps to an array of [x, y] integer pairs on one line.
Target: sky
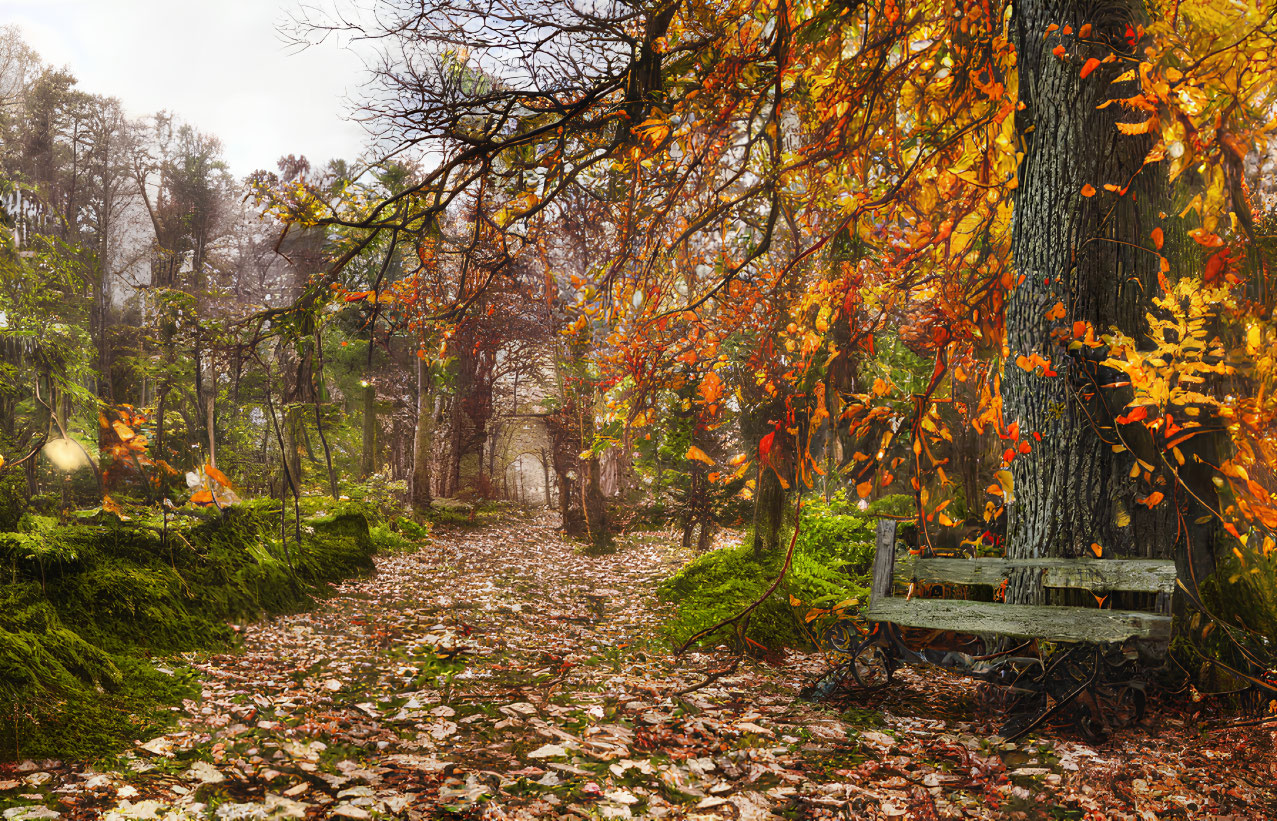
{"points": [[220, 65]]}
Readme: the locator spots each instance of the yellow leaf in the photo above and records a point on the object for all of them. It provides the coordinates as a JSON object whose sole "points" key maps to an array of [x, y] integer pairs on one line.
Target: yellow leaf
{"points": [[1121, 517]]}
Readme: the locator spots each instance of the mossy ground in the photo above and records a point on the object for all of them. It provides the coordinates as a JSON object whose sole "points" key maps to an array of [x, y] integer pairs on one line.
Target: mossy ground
{"points": [[86, 605], [831, 560]]}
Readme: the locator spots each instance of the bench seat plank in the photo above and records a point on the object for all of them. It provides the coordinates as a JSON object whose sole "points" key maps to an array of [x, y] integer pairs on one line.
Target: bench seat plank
{"points": [[1022, 620], [1141, 575]]}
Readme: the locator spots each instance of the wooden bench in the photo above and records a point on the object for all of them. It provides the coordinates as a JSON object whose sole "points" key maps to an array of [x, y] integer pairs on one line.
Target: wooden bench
{"points": [[1096, 674], [1025, 621]]}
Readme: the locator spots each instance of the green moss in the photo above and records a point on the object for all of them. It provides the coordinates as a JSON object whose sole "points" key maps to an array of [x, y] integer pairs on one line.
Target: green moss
{"points": [[411, 529], [86, 604], [830, 563]]}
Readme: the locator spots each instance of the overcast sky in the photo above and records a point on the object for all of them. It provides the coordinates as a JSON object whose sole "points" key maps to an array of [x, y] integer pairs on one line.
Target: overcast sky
{"points": [[220, 65]]}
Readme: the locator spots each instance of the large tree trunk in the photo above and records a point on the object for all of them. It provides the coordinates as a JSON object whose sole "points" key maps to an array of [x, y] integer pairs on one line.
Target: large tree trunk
{"points": [[423, 440], [210, 417], [1072, 491], [368, 465]]}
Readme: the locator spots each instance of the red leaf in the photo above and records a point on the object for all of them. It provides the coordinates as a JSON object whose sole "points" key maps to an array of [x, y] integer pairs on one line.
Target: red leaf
{"points": [[765, 445], [1215, 266], [1136, 415]]}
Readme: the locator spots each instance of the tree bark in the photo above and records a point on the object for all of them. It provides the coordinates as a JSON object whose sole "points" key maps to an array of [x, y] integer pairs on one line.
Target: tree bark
{"points": [[423, 440], [368, 465], [1072, 491]]}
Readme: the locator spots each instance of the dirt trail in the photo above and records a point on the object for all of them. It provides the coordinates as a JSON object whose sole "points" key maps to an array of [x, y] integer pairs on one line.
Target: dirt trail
{"points": [[498, 673]]}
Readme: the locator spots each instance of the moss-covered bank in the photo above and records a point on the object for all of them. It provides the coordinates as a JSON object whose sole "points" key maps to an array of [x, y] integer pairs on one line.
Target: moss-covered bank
{"points": [[831, 562], [85, 606]]}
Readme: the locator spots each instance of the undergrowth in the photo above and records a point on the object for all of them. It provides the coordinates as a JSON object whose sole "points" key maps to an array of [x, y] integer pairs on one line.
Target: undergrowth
{"points": [[86, 605], [831, 565]]}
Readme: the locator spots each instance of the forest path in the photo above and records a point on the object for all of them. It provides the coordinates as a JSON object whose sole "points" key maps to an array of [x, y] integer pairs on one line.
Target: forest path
{"points": [[499, 673]]}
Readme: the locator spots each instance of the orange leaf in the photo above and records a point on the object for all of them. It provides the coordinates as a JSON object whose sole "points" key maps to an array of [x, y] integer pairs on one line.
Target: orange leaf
{"points": [[1025, 447], [123, 431], [1088, 190], [699, 455], [1085, 31], [1089, 66], [1158, 238], [202, 497], [1151, 499], [864, 489], [1206, 238], [1056, 311], [1232, 529], [1097, 549], [1058, 51], [995, 489], [1008, 455], [218, 475]]}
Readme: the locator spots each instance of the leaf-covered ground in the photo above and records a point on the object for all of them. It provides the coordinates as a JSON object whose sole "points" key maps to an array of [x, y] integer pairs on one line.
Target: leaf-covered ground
{"points": [[499, 673]]}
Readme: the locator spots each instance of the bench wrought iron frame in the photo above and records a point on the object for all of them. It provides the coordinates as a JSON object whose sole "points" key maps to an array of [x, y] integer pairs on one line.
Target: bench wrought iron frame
{"points": [[1095, 678]]}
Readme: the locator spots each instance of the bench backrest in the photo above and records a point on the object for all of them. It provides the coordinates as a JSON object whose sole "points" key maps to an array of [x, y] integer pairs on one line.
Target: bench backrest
{"points": [[1100, 576]]}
